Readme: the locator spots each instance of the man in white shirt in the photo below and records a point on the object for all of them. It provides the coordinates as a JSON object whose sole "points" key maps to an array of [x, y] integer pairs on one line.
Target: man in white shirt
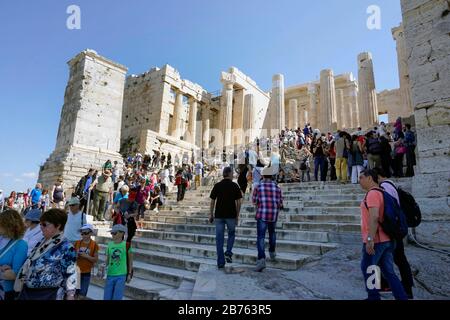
{"points": [[198, 174], [252, 158], [75, 220], [33, 234]]}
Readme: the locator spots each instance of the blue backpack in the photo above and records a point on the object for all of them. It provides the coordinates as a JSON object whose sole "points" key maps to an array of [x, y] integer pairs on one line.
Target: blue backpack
{"points": [[394, 222]]}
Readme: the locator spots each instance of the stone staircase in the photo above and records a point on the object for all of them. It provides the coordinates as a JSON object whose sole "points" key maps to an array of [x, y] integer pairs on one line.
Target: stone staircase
{"points": [[178, 240]]}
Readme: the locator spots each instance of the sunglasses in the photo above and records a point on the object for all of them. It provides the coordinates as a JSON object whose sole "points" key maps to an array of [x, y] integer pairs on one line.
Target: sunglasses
{"points": [[113, 233], [86, 233]]}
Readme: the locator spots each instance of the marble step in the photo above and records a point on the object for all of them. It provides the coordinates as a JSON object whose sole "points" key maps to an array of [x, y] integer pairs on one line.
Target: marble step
{"points": [[292, 246], [166, 275], [243, 231], [189, 256]]}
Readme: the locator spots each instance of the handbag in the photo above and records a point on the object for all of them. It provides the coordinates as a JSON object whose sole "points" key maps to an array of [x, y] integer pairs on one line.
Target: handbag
{"points": [[401, 149]]}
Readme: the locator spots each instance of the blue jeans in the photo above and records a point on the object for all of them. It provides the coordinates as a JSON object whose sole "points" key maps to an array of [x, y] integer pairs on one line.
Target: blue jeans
{"points": [[261, 227], [319, 161], [349, 164], [220, 237], [114, 287], [85, 279], [384, 259]]}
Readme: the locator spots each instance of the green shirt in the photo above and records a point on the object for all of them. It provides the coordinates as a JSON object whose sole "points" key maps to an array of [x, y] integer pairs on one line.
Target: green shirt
{"points": [[116, 253]]}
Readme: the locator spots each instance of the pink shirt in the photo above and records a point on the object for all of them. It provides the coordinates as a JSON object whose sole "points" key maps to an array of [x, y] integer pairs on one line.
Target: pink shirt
{"points": [[374, 199]]}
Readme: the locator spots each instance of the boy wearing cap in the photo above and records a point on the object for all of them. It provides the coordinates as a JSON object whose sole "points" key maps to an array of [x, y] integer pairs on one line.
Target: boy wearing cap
{"points": [[33, 234], [119, 262], [87, 256], [75, 220]]}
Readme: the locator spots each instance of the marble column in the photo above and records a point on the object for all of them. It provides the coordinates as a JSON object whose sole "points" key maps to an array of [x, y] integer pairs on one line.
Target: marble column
{"points": [[340, 109], [293, 114], [353, 95], [192, 121], [327, 101], [249, 116], [313, 118], [367, 98], [176, 125], [278, 120], [227, 113], [403, 72], [205, 127]]}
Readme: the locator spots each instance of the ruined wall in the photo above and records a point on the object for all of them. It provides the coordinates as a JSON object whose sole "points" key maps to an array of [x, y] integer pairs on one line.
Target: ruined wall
{"points": [[390, 102], [142, 105], [90, 124], [149, 104], [427, 35]]}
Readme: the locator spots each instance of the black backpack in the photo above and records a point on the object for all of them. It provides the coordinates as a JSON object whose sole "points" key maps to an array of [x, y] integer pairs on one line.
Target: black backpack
{"points": [[374, 146], [303, 165], [409, 206]]}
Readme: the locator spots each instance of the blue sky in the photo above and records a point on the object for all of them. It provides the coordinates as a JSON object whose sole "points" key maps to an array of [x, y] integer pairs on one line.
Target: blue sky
{"points": [[200, 38]]}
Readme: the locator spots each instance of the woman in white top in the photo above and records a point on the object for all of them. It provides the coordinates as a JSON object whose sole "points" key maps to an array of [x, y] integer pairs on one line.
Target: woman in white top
{"points": [[33, 234]]}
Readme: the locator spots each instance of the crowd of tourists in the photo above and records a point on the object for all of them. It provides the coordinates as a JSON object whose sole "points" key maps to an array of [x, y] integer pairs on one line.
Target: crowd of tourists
{"points": [[382, 237], [41, 224]]}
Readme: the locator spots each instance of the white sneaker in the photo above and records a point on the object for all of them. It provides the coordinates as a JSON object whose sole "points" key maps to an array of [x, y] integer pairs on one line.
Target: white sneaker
{"points": [[156, 210]]}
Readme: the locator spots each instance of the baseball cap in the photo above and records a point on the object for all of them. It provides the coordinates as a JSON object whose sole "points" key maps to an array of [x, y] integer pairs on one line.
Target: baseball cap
{"points": [[73, 201], [33, 215], [119, 228], [87, 227]]}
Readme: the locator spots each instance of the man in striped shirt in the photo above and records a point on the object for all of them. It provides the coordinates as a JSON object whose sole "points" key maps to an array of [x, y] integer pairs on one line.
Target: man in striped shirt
{"points": [[268, 200]]}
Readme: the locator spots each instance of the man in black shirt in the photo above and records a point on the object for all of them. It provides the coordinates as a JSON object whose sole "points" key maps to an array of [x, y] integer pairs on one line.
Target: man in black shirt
{"points": [[226, 199]]}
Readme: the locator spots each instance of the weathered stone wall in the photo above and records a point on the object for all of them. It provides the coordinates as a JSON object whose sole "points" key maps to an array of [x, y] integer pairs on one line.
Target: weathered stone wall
{"points": [[149, 104], [142, 104], [390, 102], [90, 125], [427, 35]]}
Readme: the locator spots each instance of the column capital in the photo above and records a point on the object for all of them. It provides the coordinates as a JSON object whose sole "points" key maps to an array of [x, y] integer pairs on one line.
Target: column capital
{"points": [[227, 78]]}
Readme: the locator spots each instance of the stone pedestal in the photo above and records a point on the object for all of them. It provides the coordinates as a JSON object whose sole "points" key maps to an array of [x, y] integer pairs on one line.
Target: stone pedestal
{"points": [[90, 125]]}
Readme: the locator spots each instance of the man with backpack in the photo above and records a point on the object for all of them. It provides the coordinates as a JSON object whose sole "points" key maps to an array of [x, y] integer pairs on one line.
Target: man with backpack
{"points": [[373, 150], [399, 251], [378, 246]]}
